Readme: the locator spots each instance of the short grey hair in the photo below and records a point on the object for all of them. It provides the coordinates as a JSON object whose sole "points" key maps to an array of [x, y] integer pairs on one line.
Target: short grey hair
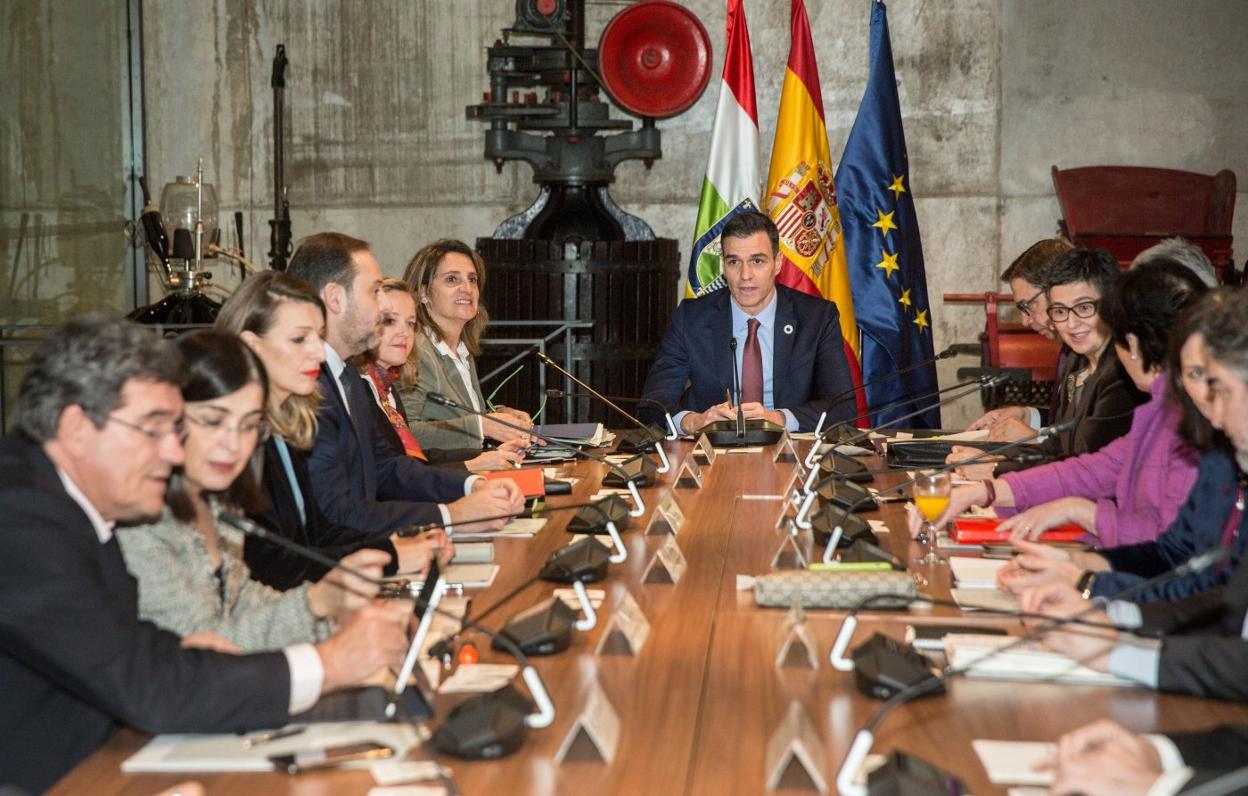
{"points": [[86, 362], [1181, 252], [1225, 332]]}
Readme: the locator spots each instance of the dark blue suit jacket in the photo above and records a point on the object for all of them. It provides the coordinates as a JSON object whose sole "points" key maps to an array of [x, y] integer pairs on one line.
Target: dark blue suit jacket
{"points": [[75, 660], [359, 481], [809, 369]]}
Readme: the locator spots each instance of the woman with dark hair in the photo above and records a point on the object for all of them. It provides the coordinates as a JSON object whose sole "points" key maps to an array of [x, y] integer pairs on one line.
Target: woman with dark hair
{"points": [[281, 319], [446, 277], [1213, 512], [390, 367], [1130, 490], [189, 567]]}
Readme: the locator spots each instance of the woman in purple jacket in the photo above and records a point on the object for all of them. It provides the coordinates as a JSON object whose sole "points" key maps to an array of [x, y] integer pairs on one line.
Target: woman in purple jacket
{"points": [[1131, 489]]}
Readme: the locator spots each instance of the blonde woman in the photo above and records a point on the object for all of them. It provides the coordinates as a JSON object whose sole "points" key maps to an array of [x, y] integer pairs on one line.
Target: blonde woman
{"points": [[282, 320]]}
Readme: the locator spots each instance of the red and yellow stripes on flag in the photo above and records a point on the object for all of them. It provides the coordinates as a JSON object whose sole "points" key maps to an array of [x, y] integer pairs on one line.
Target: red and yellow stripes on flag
{"points": [[801, 197]]}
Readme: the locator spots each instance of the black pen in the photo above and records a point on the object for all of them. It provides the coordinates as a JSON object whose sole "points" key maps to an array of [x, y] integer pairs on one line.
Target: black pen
{"points": [[274, 735]]}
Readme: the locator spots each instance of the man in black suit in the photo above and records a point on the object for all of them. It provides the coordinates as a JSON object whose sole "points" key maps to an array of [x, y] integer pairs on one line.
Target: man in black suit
{"points": [[789, 348], [99, 421], [360, 481]]}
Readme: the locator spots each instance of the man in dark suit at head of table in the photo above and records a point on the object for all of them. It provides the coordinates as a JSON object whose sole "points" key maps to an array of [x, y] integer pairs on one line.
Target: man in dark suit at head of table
{"points": [[789, 348], [98, 436]]}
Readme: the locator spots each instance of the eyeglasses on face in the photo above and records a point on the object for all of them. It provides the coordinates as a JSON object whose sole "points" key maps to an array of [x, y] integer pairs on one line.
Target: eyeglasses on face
{"points": [[153, 431], [1058, 313], [1024, 307], [216, 427]]}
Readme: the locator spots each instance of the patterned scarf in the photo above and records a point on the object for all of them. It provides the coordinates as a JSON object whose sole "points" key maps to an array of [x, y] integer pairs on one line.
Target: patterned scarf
{"points": [[383, 379]]}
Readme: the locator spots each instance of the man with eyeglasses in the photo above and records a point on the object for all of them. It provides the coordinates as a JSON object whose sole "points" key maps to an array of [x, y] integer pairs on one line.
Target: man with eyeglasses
{"points": [[98, 435]]}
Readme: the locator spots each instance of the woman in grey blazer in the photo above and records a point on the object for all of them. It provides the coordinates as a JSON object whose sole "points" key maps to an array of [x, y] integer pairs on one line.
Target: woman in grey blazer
{"points": [[446, 277], [189, 567]]}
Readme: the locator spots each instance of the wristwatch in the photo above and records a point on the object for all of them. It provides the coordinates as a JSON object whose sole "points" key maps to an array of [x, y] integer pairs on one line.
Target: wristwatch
{"points": [[1085, 583]]}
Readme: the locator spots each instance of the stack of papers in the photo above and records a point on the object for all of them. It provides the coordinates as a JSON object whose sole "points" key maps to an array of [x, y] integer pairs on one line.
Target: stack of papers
{"points": [[591, 434], [519, 528], [1014, 762], [471, 576], [1027, 661], [975, 573], [479, 678], [985, 600]]}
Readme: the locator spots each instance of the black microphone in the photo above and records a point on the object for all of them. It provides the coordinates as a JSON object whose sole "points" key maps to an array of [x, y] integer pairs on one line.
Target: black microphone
{"points": [[672, 431], [803, 522], [645, 430], [629, 480], [503, 699], [813, 459], [866, 736], [608, 523], [736, 389], [836, 399]]}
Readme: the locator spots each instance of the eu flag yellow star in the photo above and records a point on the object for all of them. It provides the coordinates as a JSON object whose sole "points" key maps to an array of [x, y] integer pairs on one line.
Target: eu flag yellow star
{"points": [[905, 298], [920, 320], [889, 263], [885, 222], [898, 187]]}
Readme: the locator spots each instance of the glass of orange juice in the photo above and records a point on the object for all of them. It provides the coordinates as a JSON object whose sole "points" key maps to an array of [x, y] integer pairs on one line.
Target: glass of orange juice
{"points": [[931, 498]]}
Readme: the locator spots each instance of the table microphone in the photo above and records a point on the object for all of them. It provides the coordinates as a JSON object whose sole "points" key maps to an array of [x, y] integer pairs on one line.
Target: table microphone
{"points": [[968, 387], [488, 725], [672, 432], [901, 766], [802, 519], [550, 363], [621, 552], [629, 479]]}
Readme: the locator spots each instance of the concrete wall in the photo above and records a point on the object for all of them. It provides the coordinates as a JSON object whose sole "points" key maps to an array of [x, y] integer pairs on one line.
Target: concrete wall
{"points": [[993, 94]]}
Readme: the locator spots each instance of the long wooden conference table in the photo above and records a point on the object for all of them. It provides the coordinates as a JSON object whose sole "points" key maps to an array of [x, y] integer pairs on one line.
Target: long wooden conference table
{"points": [[698, 704]]}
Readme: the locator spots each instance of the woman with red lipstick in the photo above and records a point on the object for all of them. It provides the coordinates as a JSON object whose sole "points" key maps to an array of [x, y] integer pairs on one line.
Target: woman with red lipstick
{"points": [[390, 367], [190, 570], [281, 319], [446, 277]]}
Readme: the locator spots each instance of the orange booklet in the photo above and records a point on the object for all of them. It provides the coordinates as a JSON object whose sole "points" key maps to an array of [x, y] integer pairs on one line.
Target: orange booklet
{"points": [[531, 480], [977, 530]]}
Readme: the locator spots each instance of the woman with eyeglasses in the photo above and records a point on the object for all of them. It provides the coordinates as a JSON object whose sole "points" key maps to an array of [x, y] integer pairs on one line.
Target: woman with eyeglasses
{"points": [[192, 579], [390, 367], [1133, 488], [446, 278], [282, 320], [1026, 277]]}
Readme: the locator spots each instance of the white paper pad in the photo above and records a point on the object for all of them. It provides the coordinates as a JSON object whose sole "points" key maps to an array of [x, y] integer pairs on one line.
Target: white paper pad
{"points": [[401, 772], [985, 600], [408, 790], [1029, 661], [596, 596], [473, 553], [471, 576], [177, 753], [975, 573], [723, 451], [477, 678], [1012, 762]]}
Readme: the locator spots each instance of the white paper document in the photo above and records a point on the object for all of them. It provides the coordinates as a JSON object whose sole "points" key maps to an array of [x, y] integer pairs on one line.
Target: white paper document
{"points": [[1013, 762], [1028, 661], [477, 678], [975, 573], [985, 600], [471, 576]]}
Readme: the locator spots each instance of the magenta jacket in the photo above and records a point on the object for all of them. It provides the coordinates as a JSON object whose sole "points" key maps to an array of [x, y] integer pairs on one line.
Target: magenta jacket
{"points": [[1138, 481]]}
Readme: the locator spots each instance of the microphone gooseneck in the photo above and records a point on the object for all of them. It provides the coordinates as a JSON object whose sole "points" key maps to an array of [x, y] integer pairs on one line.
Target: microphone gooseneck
{"points": [[672, 432]]}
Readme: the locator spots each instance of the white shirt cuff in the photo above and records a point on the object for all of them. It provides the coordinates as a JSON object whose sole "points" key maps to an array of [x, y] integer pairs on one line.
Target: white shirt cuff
{"points": [[678, 419], [307, 676], [468, 482], [446, 518], [1171, 759], [1032, 418], [790, 422], [1170, 783]]}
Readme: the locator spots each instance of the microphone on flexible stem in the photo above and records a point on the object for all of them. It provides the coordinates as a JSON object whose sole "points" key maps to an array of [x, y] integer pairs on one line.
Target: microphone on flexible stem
{"points": [[621, 552], [866, 736], [550, 363], [802, 519], [503, 699], [814, 458], [672, 432], [736, 389], [629, 479]]}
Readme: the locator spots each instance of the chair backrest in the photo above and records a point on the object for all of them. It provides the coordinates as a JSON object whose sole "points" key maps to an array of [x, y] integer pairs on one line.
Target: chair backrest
{"points": [[1140, 200], [1011, 345]]}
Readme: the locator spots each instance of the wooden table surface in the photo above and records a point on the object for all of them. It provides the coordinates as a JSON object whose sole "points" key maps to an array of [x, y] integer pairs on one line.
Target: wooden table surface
{"points": [[700, 701]]}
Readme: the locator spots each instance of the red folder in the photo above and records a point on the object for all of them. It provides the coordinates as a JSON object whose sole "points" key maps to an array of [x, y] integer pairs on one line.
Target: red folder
{"points": [[979, 530], [531, 480]]}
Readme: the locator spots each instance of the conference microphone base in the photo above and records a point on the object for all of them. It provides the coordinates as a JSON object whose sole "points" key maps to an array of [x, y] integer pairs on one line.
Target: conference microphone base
{"points": [[485, 726], [638, 441], [587, 520], [758, 433], [640, 469], [544, 629], [906, 775], [852, 527], [584, 560], [884, 666]]}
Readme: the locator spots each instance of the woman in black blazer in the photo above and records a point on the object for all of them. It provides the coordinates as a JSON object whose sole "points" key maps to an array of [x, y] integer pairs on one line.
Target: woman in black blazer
{"points": [[281, 318]]}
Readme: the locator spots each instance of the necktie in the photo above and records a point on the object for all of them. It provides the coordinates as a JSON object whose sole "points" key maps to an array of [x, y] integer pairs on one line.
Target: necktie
{"points": [[752, 366]]}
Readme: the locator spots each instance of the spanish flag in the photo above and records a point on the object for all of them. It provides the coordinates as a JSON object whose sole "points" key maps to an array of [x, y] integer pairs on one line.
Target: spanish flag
{"points": [[801, 197]]}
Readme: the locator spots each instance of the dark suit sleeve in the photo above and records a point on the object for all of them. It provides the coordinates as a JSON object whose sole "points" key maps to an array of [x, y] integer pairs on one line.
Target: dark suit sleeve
{"points": [[671, 371], [1223, 748], [830, 378], [403, 478], [333, 480], [1204, 666], [61, 617]]}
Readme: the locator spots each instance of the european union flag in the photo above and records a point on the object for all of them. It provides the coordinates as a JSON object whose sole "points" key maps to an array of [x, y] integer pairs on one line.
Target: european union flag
{"points": [[882, 244]]}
